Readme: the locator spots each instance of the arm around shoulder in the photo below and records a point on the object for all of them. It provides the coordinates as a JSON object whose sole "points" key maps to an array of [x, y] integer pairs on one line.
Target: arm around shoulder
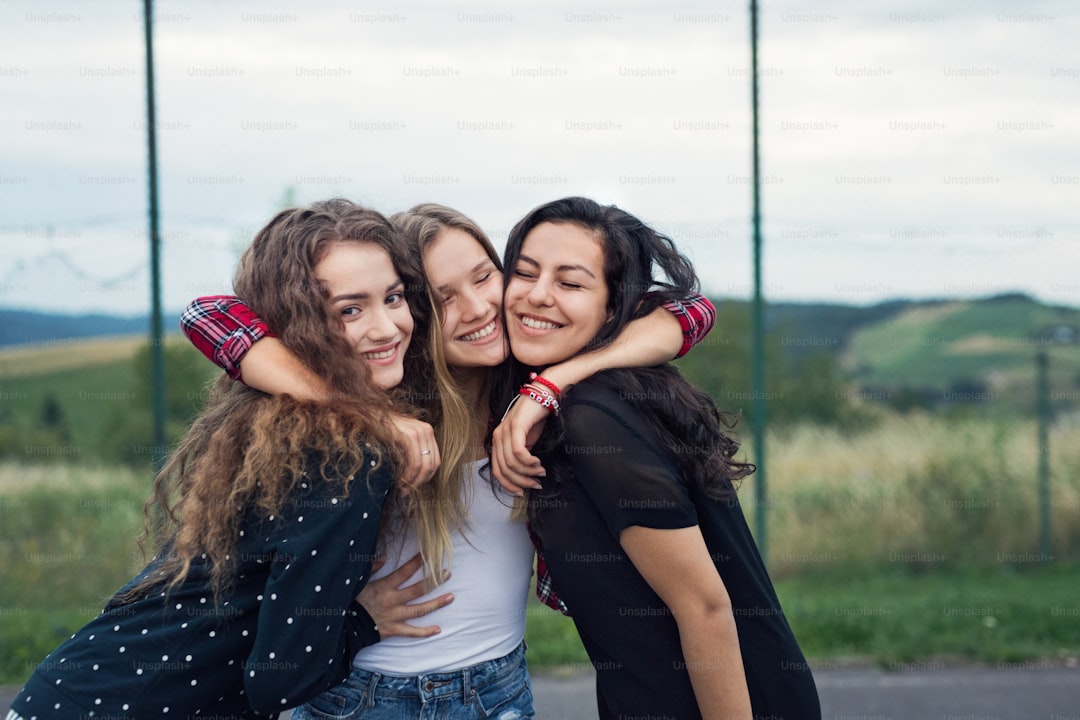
{"points": [[223, 328], [650, 340], [271, 367]]}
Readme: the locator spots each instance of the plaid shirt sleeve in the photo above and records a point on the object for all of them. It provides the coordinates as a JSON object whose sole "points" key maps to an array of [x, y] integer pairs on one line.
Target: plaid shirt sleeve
{"points": [[545, 587], [696, 315], [223, 329]]}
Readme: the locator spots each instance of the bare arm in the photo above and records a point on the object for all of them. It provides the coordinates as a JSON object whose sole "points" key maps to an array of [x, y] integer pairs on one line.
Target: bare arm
{"points": [[677, 566], [271, 367], [651, 340]]}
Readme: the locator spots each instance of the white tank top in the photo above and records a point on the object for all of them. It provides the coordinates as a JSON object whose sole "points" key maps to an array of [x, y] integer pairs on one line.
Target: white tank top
{"points": [[490, 576]]}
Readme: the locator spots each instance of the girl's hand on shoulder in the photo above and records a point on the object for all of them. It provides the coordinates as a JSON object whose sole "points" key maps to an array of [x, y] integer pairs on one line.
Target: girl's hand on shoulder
{"points": [[421, 452], [388, 603], [513, 465]]}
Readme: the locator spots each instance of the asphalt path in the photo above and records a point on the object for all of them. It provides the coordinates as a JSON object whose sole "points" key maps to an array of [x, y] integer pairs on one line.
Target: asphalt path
{"points": [[1022, 691], [1039, 693]]}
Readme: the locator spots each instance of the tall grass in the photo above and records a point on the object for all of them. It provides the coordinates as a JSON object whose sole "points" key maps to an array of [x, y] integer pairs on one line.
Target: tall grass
{"points": [[67, 542], [908, 495], [916, 490]]}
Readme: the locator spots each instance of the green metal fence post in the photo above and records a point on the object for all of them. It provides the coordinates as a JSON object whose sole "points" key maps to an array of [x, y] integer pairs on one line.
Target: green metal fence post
{"points": [[157, 350], [758, 374], [1043, 412]]}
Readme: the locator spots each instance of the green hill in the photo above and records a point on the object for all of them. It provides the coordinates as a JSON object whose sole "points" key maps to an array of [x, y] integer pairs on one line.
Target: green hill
{"points": [[989, 344], [88, 400], [90, 397], [932, 354], [28, 327]]}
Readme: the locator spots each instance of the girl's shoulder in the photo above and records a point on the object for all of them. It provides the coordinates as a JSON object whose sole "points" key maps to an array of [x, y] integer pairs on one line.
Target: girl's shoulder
{"points": [[628, 391], [603, 404], [599, 392]]}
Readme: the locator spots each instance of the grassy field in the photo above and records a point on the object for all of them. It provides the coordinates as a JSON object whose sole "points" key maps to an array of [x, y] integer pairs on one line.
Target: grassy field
{"points": [[903, 618], [914, 541], [933, 347], [917, 491], [90, 397], [67, 541], [897, 619], [99, 397], [76, 354]]}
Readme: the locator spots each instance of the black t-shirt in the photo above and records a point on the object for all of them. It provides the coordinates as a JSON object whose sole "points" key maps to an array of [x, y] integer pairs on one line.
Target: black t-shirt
{"points": [[287, 630], [621, 477]]}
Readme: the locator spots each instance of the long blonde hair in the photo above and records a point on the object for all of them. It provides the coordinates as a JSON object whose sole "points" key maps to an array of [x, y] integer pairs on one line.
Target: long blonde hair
{"points": [[246, 451], [441, 506]]}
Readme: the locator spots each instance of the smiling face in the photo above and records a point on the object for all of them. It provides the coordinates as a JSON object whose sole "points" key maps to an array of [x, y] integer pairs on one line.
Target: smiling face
{"points": [[556, 299], [468, 287], [367, 294]]}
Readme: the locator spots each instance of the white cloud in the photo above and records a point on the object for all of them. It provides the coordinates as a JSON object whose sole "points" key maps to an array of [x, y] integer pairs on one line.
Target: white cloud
{"points": [[908, 147]]}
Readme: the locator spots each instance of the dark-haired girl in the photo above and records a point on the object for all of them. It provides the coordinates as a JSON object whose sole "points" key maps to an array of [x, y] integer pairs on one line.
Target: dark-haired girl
{"points": [[639, 521]]}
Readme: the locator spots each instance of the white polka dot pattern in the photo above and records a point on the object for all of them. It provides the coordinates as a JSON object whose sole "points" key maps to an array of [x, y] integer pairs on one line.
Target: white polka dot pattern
{"points": [[287, 631]]}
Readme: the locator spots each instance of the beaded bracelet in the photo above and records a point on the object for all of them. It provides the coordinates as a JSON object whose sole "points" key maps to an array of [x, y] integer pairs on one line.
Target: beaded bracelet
{"points": [[541, 396], [535, 377]]}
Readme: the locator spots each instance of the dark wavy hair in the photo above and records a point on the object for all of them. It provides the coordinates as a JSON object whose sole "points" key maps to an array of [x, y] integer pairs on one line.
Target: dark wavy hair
{"points": [[642, 269]]}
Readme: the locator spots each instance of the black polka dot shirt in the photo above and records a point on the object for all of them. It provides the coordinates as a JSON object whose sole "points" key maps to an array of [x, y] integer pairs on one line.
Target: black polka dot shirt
{"points": [[286, 630]]}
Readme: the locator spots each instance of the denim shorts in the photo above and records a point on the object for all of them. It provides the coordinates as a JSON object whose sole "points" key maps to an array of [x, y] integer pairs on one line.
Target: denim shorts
{"points": [[494, 689]]}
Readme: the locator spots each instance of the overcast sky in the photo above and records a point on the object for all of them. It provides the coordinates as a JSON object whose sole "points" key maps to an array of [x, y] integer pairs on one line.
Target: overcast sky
{"points": [[909, 149]]}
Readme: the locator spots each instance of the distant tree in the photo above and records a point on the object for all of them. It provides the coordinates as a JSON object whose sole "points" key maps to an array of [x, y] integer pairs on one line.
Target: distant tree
{"points": [[52, 415], [720, 364], [906, 398], [798, 387], [814, 390], [187, 374], [52, 418]]}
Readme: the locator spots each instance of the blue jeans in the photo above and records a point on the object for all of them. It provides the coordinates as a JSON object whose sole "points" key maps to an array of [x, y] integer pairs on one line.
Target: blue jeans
{"points": [[494, 689]]}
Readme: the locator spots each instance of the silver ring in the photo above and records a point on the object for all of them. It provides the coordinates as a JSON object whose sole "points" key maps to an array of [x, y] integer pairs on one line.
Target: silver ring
{"points": [[425, 452]]}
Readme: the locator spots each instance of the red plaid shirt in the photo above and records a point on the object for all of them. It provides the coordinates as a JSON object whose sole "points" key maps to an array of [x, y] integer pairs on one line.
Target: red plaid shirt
{"points": [[223, 329], [696, 315]]}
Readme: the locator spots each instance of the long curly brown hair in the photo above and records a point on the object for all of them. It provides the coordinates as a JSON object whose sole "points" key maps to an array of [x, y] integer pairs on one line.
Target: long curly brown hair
{"points": [[246, 451]]}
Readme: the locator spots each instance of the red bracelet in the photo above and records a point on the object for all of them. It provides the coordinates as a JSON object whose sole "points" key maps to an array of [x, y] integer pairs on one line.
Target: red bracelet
{"points": [[541, 396], [535, 377]]}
